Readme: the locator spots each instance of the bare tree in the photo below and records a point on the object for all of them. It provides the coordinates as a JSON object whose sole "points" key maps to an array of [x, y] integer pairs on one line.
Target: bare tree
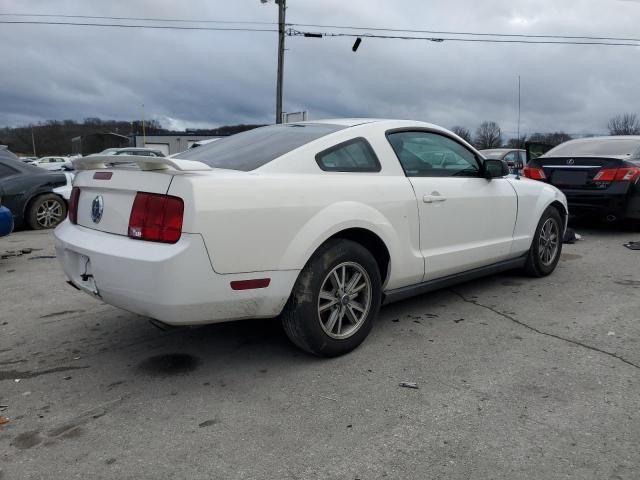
{"points": [[552, 139], [517, 142], [462, 132], [625, 124], [488, 135]]}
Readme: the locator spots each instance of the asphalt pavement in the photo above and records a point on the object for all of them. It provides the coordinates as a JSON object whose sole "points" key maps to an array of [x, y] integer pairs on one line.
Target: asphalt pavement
{"points": [[518, 378]]}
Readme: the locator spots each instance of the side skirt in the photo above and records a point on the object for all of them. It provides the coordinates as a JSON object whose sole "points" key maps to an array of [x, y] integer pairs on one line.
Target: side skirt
{"points": [[402, 293]]}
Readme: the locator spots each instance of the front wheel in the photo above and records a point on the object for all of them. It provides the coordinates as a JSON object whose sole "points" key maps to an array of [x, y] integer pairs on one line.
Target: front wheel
{"points": [[546, 247], [335, 300]]}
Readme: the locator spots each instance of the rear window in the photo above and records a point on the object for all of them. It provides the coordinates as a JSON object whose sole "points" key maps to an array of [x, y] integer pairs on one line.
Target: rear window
{"points": [[619, 147], [352, 156], [252, 149]]}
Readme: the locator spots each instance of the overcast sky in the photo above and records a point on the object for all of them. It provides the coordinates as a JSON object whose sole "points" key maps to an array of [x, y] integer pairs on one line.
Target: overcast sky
{"points": [[205, 78]]}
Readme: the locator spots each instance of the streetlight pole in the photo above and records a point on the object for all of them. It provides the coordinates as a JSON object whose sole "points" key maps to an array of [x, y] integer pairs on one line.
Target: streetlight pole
{"points": [[282, 7]]}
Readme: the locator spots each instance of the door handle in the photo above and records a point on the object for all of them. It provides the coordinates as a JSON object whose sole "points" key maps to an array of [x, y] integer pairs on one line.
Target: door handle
{"points": [[433, 198]]}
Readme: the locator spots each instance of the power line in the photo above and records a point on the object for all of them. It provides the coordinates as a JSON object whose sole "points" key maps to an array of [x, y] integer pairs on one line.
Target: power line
{"points": [[138, 19], [317, 25], [293, 32], [479, 34], [122, 25]]}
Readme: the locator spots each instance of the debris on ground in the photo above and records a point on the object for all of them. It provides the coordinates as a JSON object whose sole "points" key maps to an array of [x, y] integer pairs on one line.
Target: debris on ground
{"points": [[3, 407], [570, 236], [611, 334], [413, 385], [3, 420], [632, 245]]}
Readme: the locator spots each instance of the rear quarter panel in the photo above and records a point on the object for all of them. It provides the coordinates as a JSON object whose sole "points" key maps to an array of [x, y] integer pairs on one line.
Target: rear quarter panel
{"points": [[266, 220]]}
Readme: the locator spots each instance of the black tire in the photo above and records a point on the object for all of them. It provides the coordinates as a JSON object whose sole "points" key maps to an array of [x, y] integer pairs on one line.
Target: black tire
{"points": [[536, 266], [57, 211], [301, 317]]}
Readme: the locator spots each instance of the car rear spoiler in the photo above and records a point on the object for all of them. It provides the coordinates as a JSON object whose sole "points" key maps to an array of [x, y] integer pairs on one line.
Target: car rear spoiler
{"points": [[97, 162]]}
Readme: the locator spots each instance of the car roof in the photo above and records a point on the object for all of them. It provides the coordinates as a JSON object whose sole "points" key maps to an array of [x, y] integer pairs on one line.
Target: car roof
{"points": [[501, 150], [136, 149], [353, 122]]}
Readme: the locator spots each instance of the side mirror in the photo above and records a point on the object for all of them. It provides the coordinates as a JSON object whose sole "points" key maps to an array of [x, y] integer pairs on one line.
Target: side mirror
{"points": [[495, 169]]}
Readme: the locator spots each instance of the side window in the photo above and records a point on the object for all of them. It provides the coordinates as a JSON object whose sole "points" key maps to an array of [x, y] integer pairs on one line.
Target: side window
{"points": [[352, 156], [427, 154], [523, 157], [6, 171]]}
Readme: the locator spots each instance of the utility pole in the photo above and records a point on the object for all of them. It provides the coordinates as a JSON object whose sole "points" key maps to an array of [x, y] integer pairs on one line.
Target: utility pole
{"points": [[282, 7], [144, 135], [519, 111], [33, 142]]}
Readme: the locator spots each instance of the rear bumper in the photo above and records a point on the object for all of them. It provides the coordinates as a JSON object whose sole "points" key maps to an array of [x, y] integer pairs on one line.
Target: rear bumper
{"points": [[6, 221], [621, 201], [171, 283]]}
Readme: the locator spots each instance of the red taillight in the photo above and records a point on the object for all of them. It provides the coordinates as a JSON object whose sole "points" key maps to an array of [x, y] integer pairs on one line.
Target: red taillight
{"points": [[627, 174], [73, 205], [156, 218], [534, 172]]}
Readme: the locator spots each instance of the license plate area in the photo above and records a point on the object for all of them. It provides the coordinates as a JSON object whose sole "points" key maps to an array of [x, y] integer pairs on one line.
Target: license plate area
{"points": [[572, 178], [83, 273]]}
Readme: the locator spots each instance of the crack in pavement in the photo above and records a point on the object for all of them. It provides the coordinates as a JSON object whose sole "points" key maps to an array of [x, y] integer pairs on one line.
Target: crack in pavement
{"points": [[13, 374], [540, 332]]}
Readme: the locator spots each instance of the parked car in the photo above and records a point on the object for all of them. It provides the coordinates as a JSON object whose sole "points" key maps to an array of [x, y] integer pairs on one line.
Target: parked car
{"points": [[148, 152], [36, 197], [600, 176], [318, 222], [515, 158], [53, 163]]}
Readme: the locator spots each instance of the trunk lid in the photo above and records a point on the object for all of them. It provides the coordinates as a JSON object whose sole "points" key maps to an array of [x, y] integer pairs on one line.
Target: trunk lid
{"points": [[108, 186], [576, 172], [105, 203]]}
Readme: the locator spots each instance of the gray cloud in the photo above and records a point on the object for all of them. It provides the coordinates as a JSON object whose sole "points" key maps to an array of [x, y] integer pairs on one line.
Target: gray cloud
{"points": [[214, 78]]}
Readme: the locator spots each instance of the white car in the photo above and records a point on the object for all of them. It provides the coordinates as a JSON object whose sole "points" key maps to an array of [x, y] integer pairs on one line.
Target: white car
{"points": [[319, 222], [53, 163]]}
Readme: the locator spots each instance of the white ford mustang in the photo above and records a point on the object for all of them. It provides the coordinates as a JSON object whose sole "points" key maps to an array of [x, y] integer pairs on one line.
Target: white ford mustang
{"points": [[319, 222]]}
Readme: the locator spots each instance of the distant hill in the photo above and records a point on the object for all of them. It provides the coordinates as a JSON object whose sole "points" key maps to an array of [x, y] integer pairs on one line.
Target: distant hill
{"points": [[53, 137]]}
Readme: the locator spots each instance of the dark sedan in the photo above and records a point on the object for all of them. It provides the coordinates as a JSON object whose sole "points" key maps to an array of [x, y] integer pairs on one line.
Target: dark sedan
{"points": [[34, 195], [600, 176]]}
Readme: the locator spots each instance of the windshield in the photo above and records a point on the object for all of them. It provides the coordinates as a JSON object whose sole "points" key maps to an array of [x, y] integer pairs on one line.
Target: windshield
{"points": [[252, 149], [617, 147]]}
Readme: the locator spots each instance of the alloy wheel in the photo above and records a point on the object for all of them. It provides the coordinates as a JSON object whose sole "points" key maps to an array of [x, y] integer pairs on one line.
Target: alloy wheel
{"points": [[344, 300], [49, 213], [549, 242]]}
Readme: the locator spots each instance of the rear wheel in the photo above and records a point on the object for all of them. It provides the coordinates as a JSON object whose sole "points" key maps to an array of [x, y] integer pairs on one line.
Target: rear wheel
{"points": [[335, 300], [46, 211], [546, 247]]}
